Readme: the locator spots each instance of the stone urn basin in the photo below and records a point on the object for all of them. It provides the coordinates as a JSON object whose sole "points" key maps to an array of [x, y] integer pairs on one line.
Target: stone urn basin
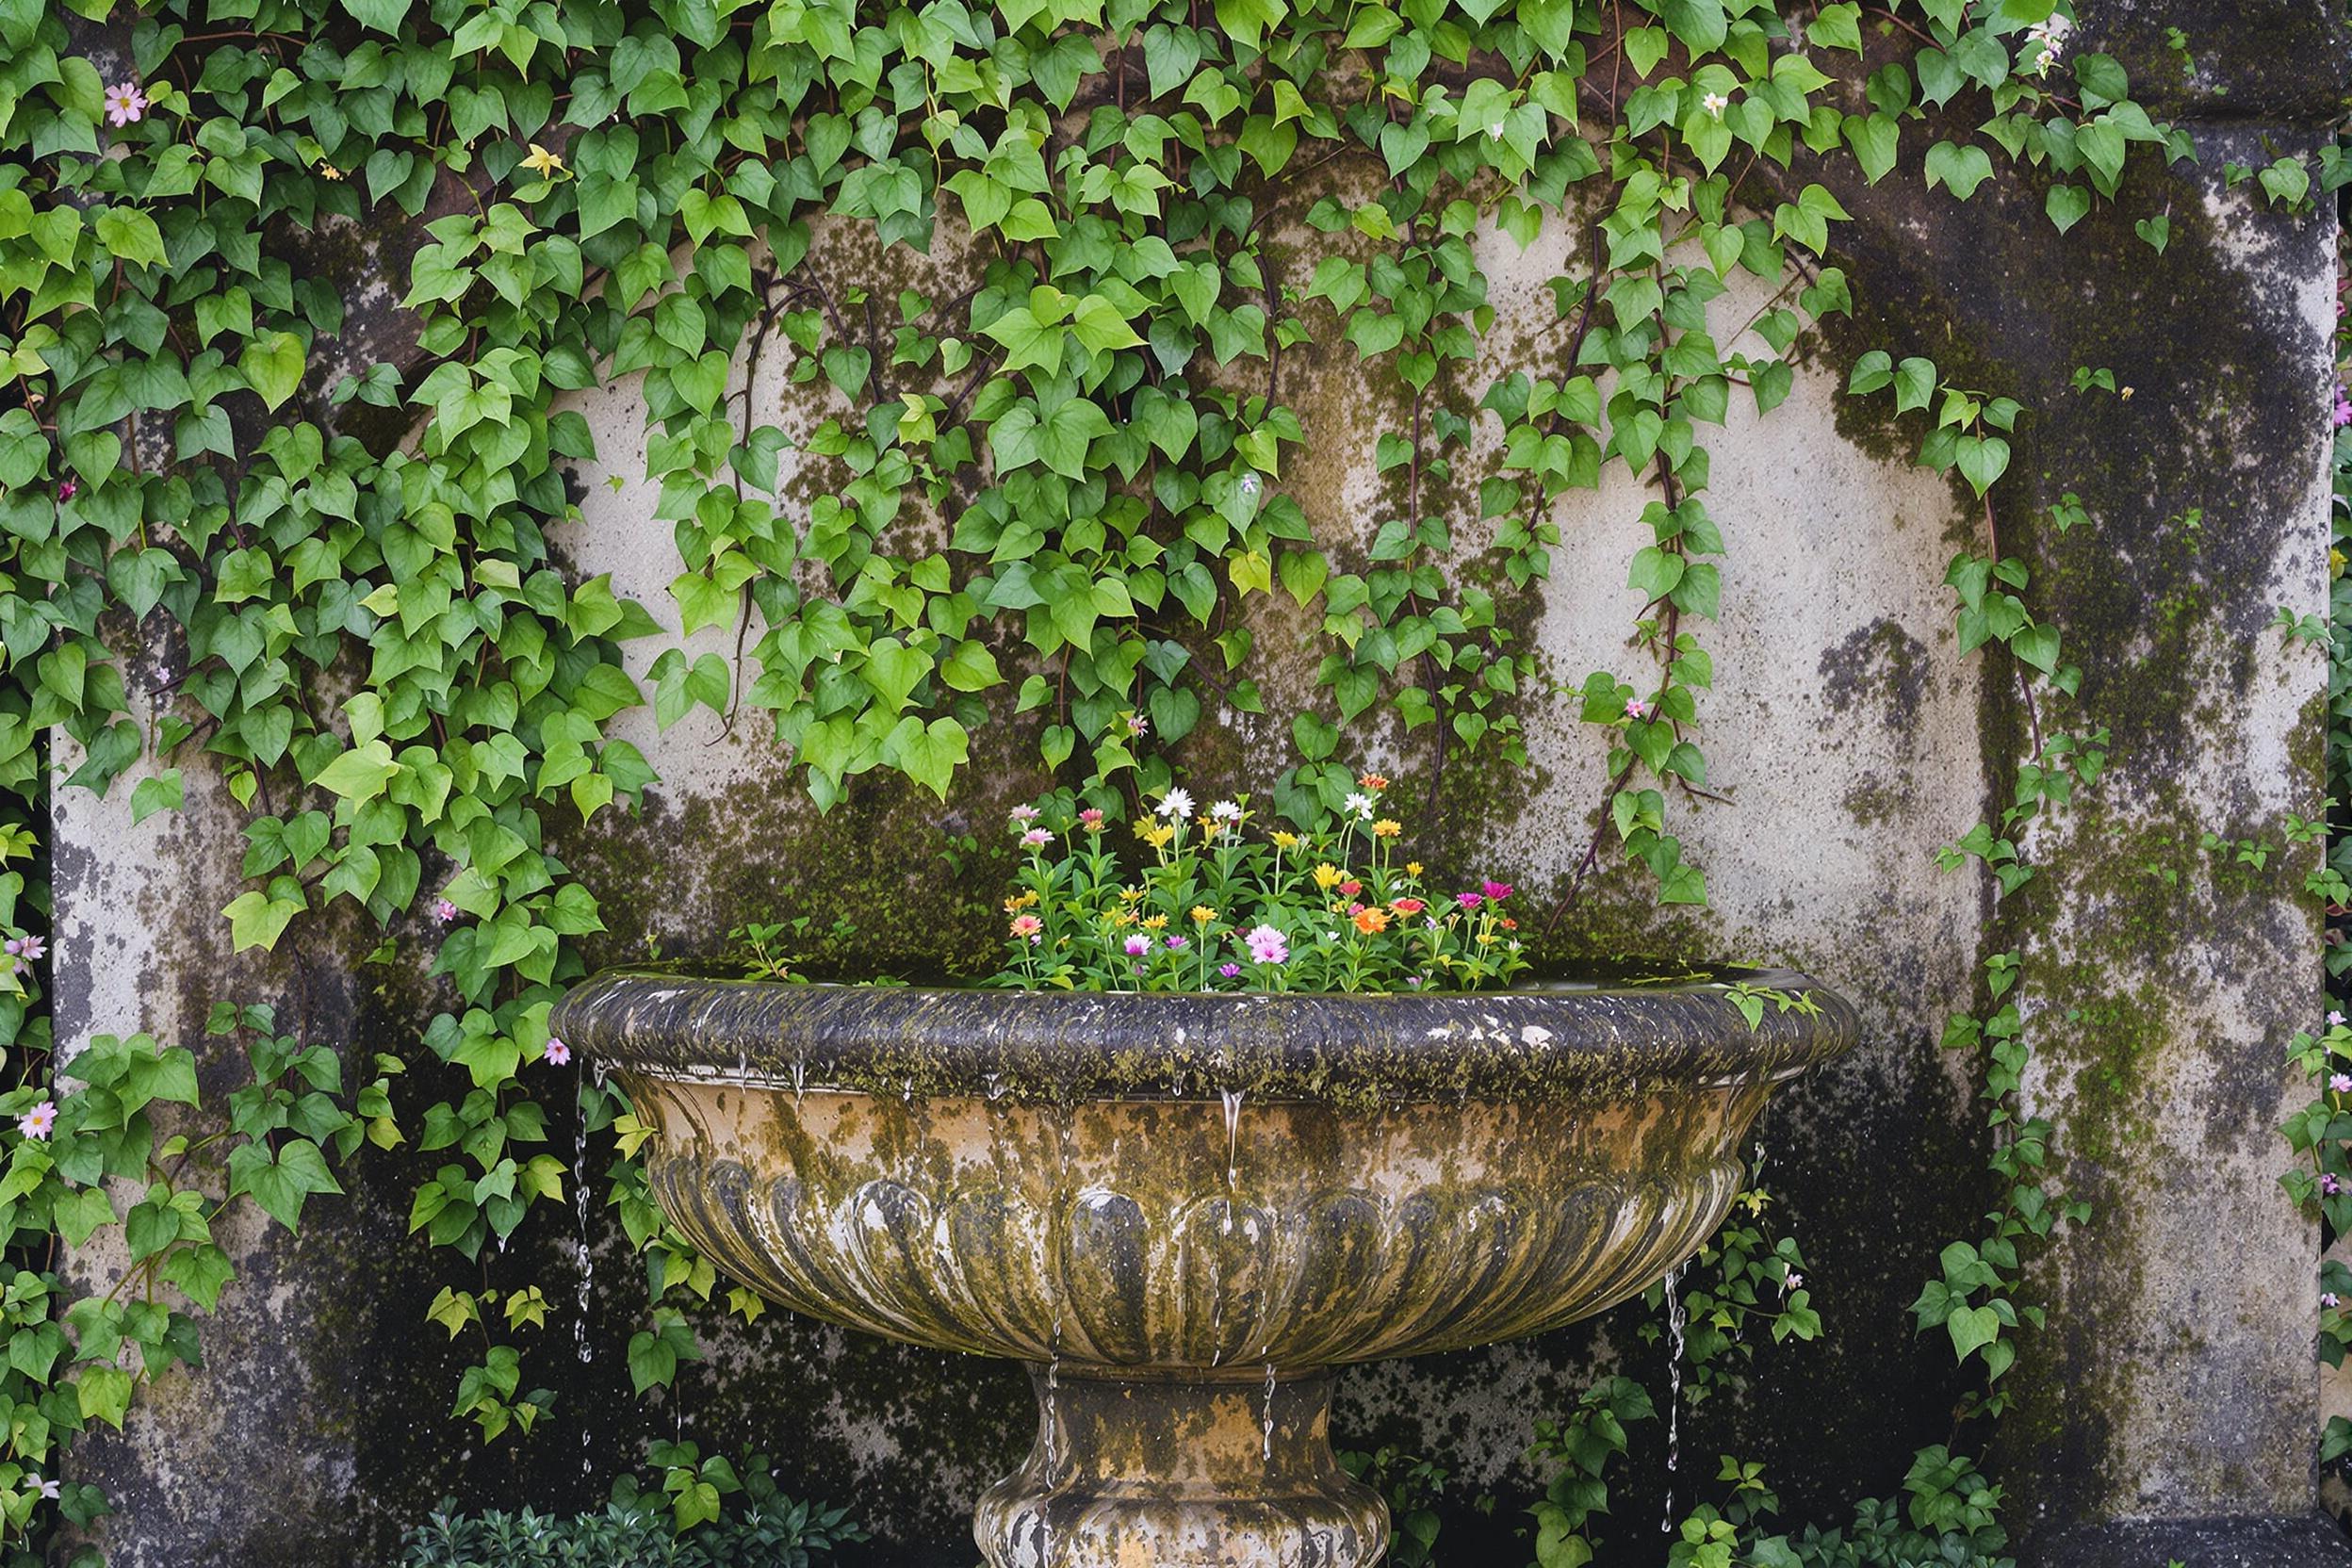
{"points": [[1184, 1211]]}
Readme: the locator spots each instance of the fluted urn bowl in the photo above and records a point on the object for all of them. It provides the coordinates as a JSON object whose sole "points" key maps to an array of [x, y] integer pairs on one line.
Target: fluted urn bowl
{"points": [[1184, 1211]]}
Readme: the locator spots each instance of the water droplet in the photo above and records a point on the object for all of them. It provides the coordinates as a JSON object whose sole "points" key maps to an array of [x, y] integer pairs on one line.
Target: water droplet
{"points": [[1676, 1322]]}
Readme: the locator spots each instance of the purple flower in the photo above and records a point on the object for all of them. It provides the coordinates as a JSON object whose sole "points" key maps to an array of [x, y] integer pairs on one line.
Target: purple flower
{"points": [[2329, 1185], [1138, 945], [1177, 945], [2341, 1083], [1229, 972], [124, 102], [1468, 901], [444, 911], [2344, 407], [1496, 891], [1267, 946], [558, 1054], [27, 948], [1413, 980], [2334, 1018]]}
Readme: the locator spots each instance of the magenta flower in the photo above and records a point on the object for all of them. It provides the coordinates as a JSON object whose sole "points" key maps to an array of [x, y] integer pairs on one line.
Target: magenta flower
{"points": [[558, 1054], [1468, 901], [35, 1122], [2344, 407], [444, 911], [1496, 891], [1091, 819], [1267, 946], [1138, 945], [1177, 945], [124, 103], [67, 489], [1231, 971]]}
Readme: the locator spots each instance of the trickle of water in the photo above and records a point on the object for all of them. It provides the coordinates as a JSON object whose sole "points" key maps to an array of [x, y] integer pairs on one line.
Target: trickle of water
{"points": [[1676, 1322], [1233, 1138], [800, 1078], [994, 1084], [1266, 1450], [907, 1091], [587, 1258]]}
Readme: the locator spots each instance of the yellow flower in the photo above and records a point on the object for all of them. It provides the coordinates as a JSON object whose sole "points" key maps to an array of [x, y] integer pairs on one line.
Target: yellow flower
{"points": [[1159, 837], [1210, 828], [1018, 901], [1126, 917], [1328, 876], [546, 163], [1155, 923], [1387, 828], [1130, 894], [1413, 868], [1285, 841], [329, 171], [1202, 914]]}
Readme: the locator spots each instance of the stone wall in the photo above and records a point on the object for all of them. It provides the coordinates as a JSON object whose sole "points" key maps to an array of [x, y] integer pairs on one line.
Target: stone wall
{"points": [[2178, 1383]]}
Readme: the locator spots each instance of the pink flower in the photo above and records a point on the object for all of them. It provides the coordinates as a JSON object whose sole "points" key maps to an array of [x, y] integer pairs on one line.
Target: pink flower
{"points": [[124, 102], [1028, 925], [27, 948], [67, 489], [558, 1054], [1468, 901], [2344, 407], [1025, 815], [2329, 1185], [1137, 725], [35, 1122], [1036, 838], [2341, 1083], [1637, 709], [1138, 945], [1496, 891], [1413, 980], [1091, 819], [1177, 945], [1796, 1281], [2334, 1018], [444, 911], [1267, 946]]}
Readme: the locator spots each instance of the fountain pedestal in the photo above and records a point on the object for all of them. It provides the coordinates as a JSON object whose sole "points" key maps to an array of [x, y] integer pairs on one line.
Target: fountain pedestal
{"points": [[1175, 1472], [1155, 1199]]}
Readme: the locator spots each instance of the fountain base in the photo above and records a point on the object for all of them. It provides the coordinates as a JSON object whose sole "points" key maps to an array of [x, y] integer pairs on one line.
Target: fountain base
{"points": [[1190, 1470]]}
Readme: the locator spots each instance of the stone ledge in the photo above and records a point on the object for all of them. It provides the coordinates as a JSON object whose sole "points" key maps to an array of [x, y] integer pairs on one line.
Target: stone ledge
{"points": [[2247, 1540]]}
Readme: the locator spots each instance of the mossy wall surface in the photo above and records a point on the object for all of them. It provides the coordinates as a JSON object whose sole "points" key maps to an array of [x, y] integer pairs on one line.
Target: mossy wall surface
{"points": [[1848, 739]]}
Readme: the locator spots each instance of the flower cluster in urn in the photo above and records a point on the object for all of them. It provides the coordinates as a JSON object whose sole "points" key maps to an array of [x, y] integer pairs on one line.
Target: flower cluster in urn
{"points": [[1215, 908]]}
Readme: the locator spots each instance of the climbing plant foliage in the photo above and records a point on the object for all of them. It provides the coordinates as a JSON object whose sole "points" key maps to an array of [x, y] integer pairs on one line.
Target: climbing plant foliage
{"points": [[248, 541]]}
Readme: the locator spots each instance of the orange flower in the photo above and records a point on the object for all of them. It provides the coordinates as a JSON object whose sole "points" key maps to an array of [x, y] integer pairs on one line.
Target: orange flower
{"points": [[1373, 782], [1371, 921]]}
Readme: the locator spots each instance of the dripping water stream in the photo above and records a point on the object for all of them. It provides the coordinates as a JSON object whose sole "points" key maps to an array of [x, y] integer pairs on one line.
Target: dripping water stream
{"points": [[1677, 1321]]}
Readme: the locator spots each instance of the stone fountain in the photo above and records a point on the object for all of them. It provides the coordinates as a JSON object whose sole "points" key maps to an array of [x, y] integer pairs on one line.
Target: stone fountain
{"points": [[1183, 1212]]}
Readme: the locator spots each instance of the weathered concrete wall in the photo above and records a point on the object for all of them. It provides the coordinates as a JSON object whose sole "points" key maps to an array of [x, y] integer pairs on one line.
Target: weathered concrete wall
{"points": [[1849, 741]]}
